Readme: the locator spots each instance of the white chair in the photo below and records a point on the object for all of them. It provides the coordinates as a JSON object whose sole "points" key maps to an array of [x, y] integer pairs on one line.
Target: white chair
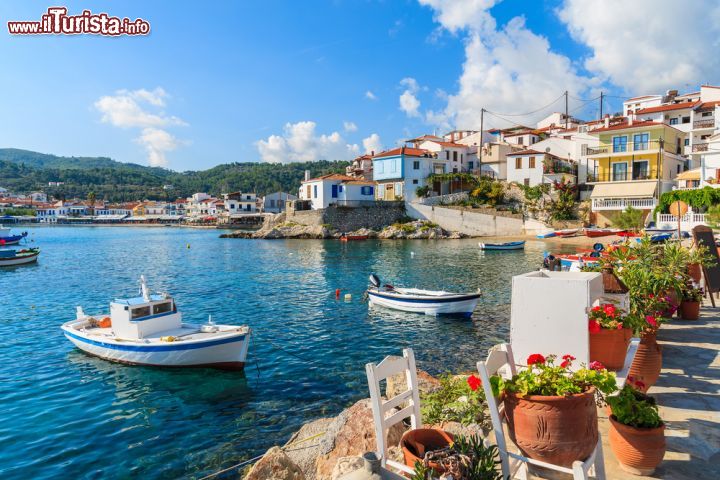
{"points": [[384, 411], [515, 465]]}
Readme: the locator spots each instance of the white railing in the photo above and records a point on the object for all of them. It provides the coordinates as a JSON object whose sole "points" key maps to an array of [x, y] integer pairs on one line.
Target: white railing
{"points": [[623, 203], [687, 222]]}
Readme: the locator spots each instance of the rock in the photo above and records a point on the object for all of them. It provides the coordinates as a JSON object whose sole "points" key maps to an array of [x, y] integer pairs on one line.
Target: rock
{"points": [[351, 433], [457, 428], [303, 447], [275, 465], [397, 384], [346, 465]]}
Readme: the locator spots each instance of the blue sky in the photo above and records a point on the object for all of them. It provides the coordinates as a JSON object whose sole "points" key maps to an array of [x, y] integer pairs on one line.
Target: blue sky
{"points": [[283, 81]]}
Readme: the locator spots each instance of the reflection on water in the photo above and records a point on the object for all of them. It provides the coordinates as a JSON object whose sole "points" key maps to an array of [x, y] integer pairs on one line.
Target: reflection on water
{"points": [[67, 414]]}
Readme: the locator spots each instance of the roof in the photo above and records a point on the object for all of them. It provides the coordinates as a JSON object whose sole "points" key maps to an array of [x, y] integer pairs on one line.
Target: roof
{"points": [[689, 175], [331, 176], [706, 105], [408, 152], [358, 182], [522, 132], [625, 125], [642, 189], [641, 97], [527, 151], [447, 144], [668, 107]]}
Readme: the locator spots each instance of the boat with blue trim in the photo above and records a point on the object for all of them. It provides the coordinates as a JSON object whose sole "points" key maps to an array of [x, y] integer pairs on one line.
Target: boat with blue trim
{"points": [[148, 330], [11, 258], [502, 246], [428, 302], [7, 238]]}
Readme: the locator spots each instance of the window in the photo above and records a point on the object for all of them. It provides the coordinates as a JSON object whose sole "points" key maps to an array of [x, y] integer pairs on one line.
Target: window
{"points": [[340, 188], [583, 149], [367, 190], [673, 121], [461, 157], [247, 197], [416, 165], [518, 163], [532, 162], [454, 156], [334, 191], [687, 142], [685, 119], [526, 182], [447, 155], [640, 141], [272, 203], [307, 192], [521, 140], [162, 308], [706, 114], [640, 170], [533, 140], [314, 191], [415, 182], [678, 169], [620, 144], [393, 166], [619, 172], [455, 170], [471, 165], [380, 167], [140, 312]]}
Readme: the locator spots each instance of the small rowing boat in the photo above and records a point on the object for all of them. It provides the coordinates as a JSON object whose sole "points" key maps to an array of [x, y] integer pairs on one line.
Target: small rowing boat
{"points": [[602, 232], [352, 238], [659, 237], [148, 330], [546, 234], [428, 302], [11, 258], [7, 238], [502, 246], [568, 232]]}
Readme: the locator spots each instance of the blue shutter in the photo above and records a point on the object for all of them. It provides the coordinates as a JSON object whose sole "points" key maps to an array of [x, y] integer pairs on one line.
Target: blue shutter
{"points": [[334, 191]]}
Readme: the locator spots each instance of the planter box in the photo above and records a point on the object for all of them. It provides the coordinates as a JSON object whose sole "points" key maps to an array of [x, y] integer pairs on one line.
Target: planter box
{"points": [[549, 313]]}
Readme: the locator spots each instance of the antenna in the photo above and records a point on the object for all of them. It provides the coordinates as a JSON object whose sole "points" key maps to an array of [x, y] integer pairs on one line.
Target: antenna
{"points": [[144, 289]]}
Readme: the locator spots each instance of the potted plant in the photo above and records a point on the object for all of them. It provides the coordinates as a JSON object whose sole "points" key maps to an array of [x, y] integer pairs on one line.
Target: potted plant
{"points": [[697, 258], [550, 409], [637, 434], [647, 363], [468, 458], [610, 335], [690, 305]]}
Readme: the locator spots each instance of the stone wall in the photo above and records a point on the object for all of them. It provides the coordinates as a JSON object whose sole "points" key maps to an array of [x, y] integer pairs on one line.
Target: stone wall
{"points": [[445, 199], [348, 219], [467, 222]]}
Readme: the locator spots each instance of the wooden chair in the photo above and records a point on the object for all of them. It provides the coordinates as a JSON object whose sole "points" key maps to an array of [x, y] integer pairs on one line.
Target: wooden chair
{"points": [[385, 413], [515, 465]]}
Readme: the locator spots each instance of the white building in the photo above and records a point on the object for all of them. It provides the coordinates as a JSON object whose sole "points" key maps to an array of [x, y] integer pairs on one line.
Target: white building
{"points": [[238, 203], [275, 202], [337, 189], [531, 168]]}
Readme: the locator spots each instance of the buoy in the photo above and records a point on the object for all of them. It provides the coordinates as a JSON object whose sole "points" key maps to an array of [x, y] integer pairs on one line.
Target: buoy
{"points": [[337, 293], [348, 297], [188, 245], [412, 254]]}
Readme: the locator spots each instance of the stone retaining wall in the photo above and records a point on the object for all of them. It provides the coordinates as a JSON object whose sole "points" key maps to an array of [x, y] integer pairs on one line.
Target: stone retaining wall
{"points": [[468, 222], [348, 219]]}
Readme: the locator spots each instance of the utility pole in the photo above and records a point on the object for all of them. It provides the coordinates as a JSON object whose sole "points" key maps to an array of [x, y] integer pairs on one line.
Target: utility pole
{"points": [[566, 109], [480, 148], [601, 105]]}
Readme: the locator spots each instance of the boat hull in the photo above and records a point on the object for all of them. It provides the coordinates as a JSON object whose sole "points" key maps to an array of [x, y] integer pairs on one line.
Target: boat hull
{"points": [[502, 246], [11, 240], [21, 260], [546, 235], [227, 353], [455, 305], [601, 233]]}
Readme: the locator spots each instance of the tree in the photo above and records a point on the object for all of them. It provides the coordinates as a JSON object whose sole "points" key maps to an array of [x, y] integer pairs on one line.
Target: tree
{"points": [[91, 200], [562, 208], [629, 219]]}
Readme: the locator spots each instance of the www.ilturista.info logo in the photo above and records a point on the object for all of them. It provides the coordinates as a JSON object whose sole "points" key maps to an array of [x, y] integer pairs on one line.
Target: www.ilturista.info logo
{"points": [[57, 22]]}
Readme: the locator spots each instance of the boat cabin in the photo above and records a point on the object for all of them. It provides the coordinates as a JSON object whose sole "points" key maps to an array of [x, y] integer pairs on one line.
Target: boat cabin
{"points": [[141, 317]]}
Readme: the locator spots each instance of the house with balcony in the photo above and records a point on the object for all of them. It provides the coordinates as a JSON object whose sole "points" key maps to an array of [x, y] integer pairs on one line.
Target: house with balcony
{"points": [[635, 162], [401, 171], [337, 189], [532, 167]]}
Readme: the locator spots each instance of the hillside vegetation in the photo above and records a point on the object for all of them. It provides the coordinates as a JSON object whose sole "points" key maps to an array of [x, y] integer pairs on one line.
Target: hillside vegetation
{"points": [[24, 171]]}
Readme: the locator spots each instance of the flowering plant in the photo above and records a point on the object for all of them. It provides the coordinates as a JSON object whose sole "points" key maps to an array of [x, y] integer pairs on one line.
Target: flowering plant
{"points": [[693, 294], [543, 377], [458, 399], [606, 317], [634, 408]]}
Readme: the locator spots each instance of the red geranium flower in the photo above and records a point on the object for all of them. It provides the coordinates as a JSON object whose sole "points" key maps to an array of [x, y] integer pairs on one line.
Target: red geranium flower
{"points": [[640, 385], [474, 382], [595, 365], [651, 320], [566, 364], [620, 326], [568, 357], [535, 358], [594, 326], [596, 308], [610, 310]]}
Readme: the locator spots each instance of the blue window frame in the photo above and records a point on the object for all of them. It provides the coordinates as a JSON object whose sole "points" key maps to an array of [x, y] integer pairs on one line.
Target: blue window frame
{"points": [[620, 144], [314, 191], [367, 190], [334, 191], [340, 188], [641, 141], [416, 164]]}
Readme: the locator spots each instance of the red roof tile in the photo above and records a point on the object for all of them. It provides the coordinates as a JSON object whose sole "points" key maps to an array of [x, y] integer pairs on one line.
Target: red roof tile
{"points": [[527, 151], [624, 125], [409, 152], [665, 108], [331, 176]]}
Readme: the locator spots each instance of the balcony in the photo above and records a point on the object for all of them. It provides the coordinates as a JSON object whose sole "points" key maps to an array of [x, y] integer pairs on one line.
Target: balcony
{"points": [[700, 147], [706, 123], [639, 175], [623, 203], [596, 151], [628, 148]]}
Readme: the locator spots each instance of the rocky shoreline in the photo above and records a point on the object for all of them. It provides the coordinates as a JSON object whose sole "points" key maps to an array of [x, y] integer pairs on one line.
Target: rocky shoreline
{"points": [[413, 230], [328, 448]]}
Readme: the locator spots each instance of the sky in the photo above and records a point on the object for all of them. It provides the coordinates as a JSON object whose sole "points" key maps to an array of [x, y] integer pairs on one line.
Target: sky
{"points": [[283, 81]]}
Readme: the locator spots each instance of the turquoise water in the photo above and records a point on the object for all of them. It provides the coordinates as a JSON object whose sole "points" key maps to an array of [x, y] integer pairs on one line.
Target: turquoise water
{"points": [[64, 414]]}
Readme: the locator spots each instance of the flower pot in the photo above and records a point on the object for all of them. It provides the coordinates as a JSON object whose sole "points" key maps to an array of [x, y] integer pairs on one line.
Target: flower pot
{"points": [[557, 430], [689, 310], [648, 362], [695, 272], [415, 443], [609, 347], [638, 450]]}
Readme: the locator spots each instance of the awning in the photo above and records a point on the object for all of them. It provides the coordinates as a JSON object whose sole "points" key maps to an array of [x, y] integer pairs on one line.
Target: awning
{"points": [[624, 190], [689, 175]]}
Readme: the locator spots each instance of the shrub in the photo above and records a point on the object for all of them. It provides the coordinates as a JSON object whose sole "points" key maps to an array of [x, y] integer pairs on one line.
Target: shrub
{"points": [[562, 208], [423, 191], [457, 399], [633, 408], [629, 219]]}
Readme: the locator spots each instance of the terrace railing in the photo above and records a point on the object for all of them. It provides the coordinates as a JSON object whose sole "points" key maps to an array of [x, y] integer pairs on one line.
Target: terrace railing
{"points": [[707, 123], [623, 203], [700, 147]]}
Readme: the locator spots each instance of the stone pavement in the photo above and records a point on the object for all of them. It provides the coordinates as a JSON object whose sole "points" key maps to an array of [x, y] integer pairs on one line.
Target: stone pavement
{"points": [[688, 393]]}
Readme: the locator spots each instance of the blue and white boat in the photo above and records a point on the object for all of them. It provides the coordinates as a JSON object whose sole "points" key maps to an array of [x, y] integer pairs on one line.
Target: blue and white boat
{"points": [[148, 330], [12, 258], [7, 238], [549, 234], [502, 246], [428, 302], [660, 237]]}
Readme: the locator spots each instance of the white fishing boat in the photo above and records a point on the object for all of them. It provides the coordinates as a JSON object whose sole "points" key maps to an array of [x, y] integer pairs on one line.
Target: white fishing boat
{"points": [[7, 237], [12, 258], [428, 302], [148, 330]]}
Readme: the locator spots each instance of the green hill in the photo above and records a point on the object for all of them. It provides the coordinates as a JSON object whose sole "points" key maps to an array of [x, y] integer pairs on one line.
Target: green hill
{"points": [[25, 171]]}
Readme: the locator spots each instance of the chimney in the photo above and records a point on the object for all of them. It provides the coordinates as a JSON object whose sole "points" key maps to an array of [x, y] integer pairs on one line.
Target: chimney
{"points": [[372, 153], [631, 117], [607, 121], [307, 175]]}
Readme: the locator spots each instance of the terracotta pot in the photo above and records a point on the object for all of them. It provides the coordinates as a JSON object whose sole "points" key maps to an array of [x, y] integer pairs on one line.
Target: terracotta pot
{"points": [[609, 347], [689, 310], [695, 272], [415, 443], [638, 450], [648, 361], [557, 430]]}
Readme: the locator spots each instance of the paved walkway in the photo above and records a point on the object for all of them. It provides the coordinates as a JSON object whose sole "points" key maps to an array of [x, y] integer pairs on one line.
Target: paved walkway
{"points": [[688, 393]]}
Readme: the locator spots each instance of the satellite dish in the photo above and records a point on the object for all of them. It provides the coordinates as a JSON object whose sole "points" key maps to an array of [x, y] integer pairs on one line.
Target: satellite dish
{"points": [[547, 149]]}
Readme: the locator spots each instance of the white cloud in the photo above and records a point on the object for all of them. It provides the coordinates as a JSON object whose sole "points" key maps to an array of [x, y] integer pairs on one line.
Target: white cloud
{"points": [[650, 47], [141, 109], [370, 95], [299, 143], [409, 102], [350, 126], [507, 70], [372, 143]]}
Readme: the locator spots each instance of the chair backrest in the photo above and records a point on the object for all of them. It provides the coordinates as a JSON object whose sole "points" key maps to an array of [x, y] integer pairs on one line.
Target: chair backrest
{"points": [[388, 412]]}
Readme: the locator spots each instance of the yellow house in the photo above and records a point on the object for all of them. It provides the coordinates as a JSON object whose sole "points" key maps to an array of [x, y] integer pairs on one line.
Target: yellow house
{"points": [[139, 210], [635, 162]]}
